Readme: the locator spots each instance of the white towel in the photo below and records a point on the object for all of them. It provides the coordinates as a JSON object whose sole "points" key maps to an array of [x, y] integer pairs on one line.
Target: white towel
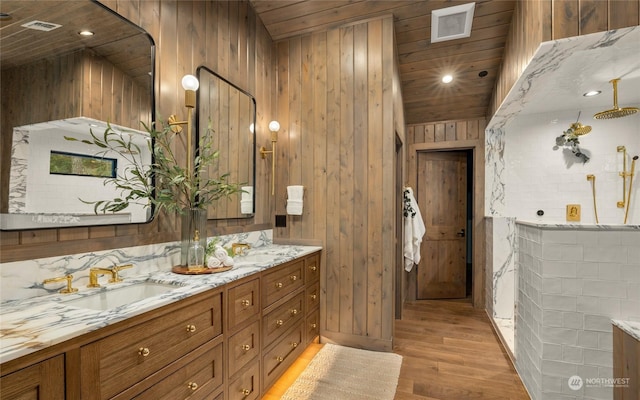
{"points": [[246, 200], [294, 200], [414, 230]]}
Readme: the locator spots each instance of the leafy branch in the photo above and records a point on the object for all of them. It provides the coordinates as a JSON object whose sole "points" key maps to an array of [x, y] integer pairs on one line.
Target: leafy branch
{"points": [[569, 139]]}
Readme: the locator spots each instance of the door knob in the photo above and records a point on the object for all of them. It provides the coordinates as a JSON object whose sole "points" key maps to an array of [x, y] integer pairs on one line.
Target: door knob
{"points": [[461, 233]]}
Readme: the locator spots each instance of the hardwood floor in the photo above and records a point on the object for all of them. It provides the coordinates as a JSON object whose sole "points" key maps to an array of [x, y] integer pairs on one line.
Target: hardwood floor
{"points": [[449, 351]]}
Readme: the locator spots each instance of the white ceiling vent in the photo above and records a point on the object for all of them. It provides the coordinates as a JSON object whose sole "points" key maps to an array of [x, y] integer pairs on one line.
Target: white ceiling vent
{"points": [[41, 25], [451, 22]]}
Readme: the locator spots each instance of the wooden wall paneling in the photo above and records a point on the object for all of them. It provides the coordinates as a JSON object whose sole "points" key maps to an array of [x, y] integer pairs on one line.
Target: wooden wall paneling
{"points": [[360, 179], [282, 148], [593, 16], [346, 179], [307, 137], [293, 161], [623, 14], [332, 252], [565, 18]]}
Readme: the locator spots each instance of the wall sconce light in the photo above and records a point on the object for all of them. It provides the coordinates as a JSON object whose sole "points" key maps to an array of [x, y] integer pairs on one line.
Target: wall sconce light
{"points": [[190, 84], [274, 127]]}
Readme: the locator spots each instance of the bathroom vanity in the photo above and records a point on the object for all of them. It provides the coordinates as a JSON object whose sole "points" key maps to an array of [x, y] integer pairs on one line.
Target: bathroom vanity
{"points": [[221, 336]]}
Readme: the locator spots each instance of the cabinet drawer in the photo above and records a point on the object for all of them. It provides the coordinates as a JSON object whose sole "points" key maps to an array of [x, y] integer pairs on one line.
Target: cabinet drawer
{"points": [[247, 385], [278, 359], [243, 346], [197, 379], [244, 302], [44, 381], [312, 326], [282, 318], [312, 268], [125, 358], [312, 295], [278, 284]]}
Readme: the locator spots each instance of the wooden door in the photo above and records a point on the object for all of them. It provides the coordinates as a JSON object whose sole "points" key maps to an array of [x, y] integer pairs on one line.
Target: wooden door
{"points": [[442, 198]]}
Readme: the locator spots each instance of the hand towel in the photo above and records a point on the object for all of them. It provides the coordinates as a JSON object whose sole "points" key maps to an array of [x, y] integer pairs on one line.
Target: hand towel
{"points": [[414, 230], [294, 201], [246, 200]]}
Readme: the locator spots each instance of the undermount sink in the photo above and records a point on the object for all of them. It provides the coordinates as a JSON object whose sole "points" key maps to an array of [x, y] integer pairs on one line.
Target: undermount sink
{"points": [[255, 258], [109, 299]]}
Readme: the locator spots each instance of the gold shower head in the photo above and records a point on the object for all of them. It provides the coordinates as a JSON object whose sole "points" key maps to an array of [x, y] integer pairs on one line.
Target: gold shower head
{"points": [[579, 129], [615, 112]]}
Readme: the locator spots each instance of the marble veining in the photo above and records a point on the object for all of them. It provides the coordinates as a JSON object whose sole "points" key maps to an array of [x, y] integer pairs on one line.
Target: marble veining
{"points": [[504, 267], [495, 168], [30, 324], [630, 327], [18, 172], [594, 227]]}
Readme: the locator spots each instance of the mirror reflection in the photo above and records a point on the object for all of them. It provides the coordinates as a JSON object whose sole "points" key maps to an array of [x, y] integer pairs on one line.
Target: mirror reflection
{"points": [[56, 82], [228, 114]]}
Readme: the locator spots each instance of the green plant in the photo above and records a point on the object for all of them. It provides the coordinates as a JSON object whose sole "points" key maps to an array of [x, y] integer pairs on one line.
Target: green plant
{"points": [[164, 183], [569, 139]]}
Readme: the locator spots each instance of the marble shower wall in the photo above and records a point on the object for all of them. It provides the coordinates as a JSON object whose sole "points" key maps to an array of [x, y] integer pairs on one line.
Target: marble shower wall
{"points": [[23, 279]]}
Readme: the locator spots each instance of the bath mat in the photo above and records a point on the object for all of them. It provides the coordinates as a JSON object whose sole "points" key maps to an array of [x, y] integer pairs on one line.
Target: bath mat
{"points": [[345, 373]]}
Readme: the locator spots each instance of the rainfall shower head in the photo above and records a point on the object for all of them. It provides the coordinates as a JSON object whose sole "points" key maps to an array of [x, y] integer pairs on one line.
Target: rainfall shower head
{"points": [[615, 112]]}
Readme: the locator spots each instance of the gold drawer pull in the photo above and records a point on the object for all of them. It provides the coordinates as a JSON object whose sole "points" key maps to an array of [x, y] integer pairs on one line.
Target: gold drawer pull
{"points": [[294, 345], [143, 351], [294, 312], [192, 386], [313, 267], [279, 359], [293, 278], [313, 297], [191, 328], [314, 326], [279, 322], [245, 303], [246, 347], [246, 392], [279, 285]]}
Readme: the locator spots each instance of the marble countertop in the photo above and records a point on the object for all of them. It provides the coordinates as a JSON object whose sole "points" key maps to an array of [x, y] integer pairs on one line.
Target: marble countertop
{"points": [[630, 327], [29, 325], [578, 226]]}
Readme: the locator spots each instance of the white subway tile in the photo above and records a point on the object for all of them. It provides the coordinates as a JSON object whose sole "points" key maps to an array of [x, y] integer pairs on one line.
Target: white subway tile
{"points": [[559, 269], [629, 308], [557, 302], [609, 238], [605, 341], [609, 307], [558, 368], [552, 251], [552, 352], [551, 285], [630, 273], [560, 336], [572, 320], [598, 358], [633, 291], [552, 384], [559, 236], [572, 354], [587, 238], [604, 289], [587, 304], [634, 254], [631, 238], [599, 323], [587, 270], [571, 286], [552, 318], [609, 271], [615, 254]]}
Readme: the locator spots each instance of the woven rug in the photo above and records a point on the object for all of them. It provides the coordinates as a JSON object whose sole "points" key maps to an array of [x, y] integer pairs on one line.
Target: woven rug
{"points": [[344, 373]]}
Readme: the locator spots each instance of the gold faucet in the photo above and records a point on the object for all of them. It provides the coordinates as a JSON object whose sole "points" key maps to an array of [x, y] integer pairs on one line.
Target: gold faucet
{"points": [[95, 272], [68, 278], [239, 248]]}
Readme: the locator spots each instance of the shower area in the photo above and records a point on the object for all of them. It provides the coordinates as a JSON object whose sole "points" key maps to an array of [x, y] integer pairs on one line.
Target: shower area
{"points": [[562, 209]]}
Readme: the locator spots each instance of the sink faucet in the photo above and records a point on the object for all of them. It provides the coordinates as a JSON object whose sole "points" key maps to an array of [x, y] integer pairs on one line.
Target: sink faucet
{"points": [[239, 248], [95, 272], [68, 278]]}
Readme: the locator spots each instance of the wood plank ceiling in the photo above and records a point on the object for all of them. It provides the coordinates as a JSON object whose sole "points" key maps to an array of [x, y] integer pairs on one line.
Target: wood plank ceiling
{"points": [[421, 63]]}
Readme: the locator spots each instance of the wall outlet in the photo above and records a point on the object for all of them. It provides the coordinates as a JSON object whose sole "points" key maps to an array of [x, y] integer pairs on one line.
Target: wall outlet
{"points": [[281, 221]]}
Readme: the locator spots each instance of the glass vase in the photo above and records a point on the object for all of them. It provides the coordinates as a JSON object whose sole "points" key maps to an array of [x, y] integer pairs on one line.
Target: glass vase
{"points": [[192, 220]]}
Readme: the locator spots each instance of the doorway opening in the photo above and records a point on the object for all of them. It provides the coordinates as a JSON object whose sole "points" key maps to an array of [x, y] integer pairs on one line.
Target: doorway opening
{"points": [[445, 197]]}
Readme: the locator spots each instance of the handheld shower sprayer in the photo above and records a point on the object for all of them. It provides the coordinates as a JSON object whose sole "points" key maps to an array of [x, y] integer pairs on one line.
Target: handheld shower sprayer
{"points": [[592, 178], [631, 173]]}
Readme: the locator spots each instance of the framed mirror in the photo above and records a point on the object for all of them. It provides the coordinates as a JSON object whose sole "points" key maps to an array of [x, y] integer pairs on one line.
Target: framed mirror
{"points": [[59, 82], [228, 114]]}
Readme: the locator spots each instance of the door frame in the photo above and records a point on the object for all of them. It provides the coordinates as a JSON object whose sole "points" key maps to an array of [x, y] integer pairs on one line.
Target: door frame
{"points": [[478, 235]]}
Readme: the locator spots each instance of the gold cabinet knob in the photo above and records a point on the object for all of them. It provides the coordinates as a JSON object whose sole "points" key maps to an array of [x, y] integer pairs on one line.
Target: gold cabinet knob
{"points": [[279, 359], [313, 267], [313, 296], [279, 322], [246, 392], [191, 328], [245, 303], [294, 345], [246, 347], [144, 352], [279, 285], [192, 385], [293, 278], [314, 326], [294, 312]]}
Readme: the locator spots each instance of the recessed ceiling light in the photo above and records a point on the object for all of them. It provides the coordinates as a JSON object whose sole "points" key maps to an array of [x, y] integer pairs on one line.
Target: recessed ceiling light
{"points": [[447, 78], [85, 33], [592, 93]]}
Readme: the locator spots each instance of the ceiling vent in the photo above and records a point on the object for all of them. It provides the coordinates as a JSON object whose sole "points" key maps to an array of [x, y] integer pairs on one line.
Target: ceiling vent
{"points": [[41, 25], [451, 22]]}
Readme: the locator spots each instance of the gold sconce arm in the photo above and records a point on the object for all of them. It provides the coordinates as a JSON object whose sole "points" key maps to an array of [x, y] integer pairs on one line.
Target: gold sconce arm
{"points": [[274, 127], [190, 84]]}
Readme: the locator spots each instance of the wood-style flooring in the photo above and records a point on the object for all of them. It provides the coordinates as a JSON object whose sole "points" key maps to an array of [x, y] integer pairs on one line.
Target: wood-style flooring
{"points": [[449, 351]]}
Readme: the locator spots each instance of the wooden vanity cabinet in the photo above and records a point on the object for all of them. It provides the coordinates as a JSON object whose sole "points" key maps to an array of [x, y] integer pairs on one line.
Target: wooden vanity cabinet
{"points": [[41, 381]]}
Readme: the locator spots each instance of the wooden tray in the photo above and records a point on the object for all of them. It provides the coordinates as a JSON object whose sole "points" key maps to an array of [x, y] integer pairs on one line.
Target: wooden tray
{"points": [[182, 270]]}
